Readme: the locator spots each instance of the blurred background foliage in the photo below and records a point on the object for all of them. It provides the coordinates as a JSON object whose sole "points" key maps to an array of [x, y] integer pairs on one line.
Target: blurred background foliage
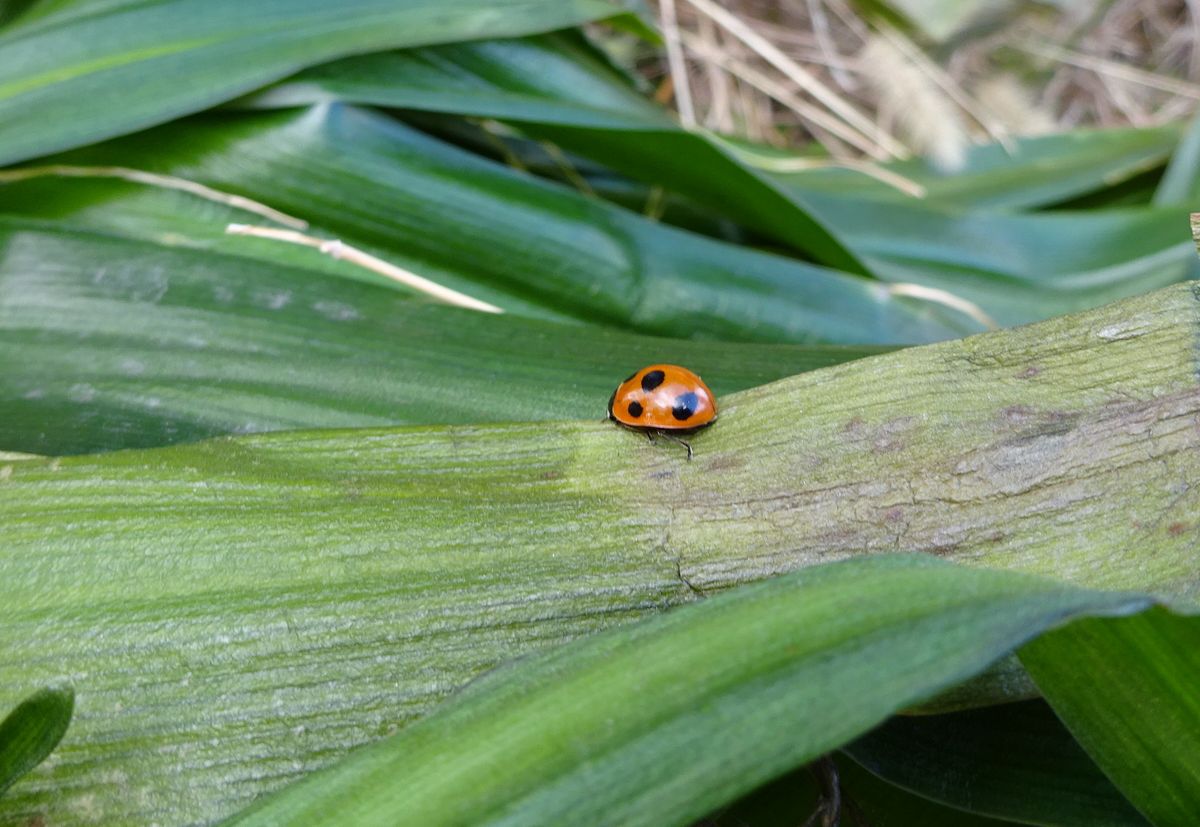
{"points": [[987, 70]]}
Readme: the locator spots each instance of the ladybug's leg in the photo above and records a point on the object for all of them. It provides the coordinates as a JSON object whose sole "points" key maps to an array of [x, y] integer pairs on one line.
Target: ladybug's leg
{"points": [[682, 442], [649, 436]]}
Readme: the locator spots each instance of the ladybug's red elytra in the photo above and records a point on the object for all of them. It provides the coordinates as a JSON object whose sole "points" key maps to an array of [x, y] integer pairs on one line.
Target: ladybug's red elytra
{"points": [[663, 400]]}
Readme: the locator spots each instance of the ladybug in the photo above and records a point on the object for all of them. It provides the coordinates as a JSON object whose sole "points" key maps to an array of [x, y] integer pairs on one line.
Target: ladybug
{"points": [[663, 400]]}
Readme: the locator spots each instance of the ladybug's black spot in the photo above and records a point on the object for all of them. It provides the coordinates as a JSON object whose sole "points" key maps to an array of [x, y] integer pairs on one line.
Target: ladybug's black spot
{"points": [[685, 406], [635, 409], [652, 380]]}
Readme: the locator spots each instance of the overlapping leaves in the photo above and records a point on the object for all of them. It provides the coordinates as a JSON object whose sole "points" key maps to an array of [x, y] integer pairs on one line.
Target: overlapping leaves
{"points": [[128, 318]]}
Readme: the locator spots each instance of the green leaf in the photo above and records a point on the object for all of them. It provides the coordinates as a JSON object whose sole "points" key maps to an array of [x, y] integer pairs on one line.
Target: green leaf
{"points": [[1126, 689], [467, 223], [1017, 267], [1037, 171], [556, 80], [1014, 761], [31, 732], [881, 804], [78, 72], [660, 722], [791, 799], [246, 609], [558, 83], [553, 79], [111, 343], [1180, 184]]}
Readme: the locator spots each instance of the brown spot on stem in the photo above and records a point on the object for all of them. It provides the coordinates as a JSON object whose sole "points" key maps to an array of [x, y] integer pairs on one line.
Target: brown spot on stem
{"points": [[1018, 413], [726, 462]]}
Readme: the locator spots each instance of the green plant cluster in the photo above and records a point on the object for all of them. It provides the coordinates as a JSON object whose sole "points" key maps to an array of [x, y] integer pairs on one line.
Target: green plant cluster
{"points": [[289, 540]]}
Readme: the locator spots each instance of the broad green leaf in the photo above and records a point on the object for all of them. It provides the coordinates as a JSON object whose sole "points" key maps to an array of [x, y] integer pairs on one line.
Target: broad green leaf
{"points": [[1013, 761], [557, 81], [659, 722], [1126, 689], [791, 799], [115, 343], [281, 598], [1018, 267], [31, 732], [462, 220], [1037, 172], [78, 72], [554, 79], [880, 804]]}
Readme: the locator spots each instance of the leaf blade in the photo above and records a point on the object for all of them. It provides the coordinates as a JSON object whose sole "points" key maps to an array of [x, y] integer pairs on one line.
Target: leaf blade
{"points": [[31, 731], [67, 69], [286, 597], [1138, 714], [112, 343], [1013, 761], [612, 729], [467, 222]]}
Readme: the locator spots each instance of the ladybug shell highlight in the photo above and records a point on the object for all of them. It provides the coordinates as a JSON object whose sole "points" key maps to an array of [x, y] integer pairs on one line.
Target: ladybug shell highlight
{"points": [[664, 398]]}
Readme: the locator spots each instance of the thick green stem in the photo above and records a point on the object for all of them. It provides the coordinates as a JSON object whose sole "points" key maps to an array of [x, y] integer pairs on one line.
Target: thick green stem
{"points": [[237, 612], [1066, 448]]}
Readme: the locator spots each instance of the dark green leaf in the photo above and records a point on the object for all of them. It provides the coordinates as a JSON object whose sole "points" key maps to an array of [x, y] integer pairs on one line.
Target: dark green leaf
{"points": [[1017, 267], [31, 732], [77, 72], [464, 221], [1037, 172], [114, 343], [879, 804], [1013, 761], [1126, 689], [660, 722], [556, 83], [792, 799], [555, 80]]}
